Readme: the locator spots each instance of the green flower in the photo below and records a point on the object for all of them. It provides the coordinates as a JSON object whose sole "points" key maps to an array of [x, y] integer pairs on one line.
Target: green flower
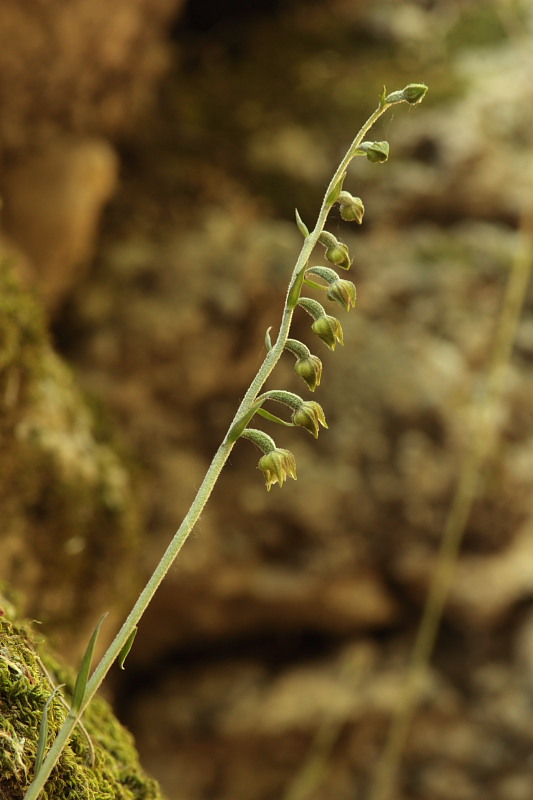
{"points": [[329, 329], [276, 465], [336, 252], [310, 369], [376, 152], [342, 292], [352, 208], [339, 255], [414, 93], [308, 416]]}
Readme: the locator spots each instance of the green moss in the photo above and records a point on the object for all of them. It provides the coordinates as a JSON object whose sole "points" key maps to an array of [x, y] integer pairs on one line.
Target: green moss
{"points": [[24, 689]]}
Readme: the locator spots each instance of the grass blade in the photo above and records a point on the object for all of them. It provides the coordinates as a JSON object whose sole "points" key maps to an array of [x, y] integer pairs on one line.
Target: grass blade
{"points": [[83, 674], [43, 731]]}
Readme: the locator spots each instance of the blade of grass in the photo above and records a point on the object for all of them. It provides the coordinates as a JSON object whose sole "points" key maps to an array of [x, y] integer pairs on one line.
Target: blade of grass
{"points": [[85, 667], [43, 731]]}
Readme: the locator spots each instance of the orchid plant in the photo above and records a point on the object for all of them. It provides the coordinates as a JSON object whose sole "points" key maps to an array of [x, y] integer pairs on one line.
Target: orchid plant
{"points": [[276, 463]]}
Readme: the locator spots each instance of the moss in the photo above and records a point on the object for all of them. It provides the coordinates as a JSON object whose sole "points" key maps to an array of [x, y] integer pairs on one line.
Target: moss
{"points": [[24, 689]]}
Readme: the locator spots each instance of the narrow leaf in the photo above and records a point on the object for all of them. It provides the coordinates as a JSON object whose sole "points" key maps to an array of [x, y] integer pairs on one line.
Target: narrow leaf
{"points": [[83, 674], [333, 196], [268, 340], [126, 648], [236, 429], [296, 288], [43, 731], [302, 227], [272, 417], [314, 285]]}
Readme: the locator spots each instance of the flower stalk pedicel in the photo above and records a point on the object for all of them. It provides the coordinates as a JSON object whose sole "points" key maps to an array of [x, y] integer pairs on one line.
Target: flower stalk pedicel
{"points": [[276, 463]]}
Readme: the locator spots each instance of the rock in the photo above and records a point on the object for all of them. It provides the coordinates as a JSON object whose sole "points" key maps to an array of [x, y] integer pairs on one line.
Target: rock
{"points": [[53, 202], [69, 516], [28, 676]]}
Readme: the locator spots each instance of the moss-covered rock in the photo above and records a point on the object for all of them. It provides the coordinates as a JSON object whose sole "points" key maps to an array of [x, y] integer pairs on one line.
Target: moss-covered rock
{"points": [[100, 761]]}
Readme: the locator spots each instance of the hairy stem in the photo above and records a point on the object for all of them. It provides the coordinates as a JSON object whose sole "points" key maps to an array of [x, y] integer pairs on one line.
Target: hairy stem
{"points": [[220, 458]]}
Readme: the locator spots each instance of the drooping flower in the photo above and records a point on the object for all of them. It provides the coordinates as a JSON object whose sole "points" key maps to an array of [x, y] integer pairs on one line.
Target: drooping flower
{"points": [[336, 252], [277, 465], [308, 416], [343, 292], [329, 329], [310, 369], [352, 208]]}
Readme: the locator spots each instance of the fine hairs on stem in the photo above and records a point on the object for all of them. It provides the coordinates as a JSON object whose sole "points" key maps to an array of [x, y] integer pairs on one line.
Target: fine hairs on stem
{"points": [[276, 463]]}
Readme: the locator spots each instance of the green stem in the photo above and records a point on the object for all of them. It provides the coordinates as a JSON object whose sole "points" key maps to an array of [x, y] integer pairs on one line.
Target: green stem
{"points": [[204, 492]]}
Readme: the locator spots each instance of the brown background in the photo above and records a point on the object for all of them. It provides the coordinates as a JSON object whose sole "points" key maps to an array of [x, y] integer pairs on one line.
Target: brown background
{"points": [[151, 157]]}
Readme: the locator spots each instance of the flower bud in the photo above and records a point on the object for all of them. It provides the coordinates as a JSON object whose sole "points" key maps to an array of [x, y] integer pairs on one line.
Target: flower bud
{"points": [[310, 369], [276, 465], [308, 416], [352, 208], [336, 252], [393, 97], [414, 93], [342, 292], [376, 152], [329, 329]]}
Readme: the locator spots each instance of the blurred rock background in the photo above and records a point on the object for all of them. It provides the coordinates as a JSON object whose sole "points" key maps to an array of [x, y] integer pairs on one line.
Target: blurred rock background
{"points": [[152, 155]]}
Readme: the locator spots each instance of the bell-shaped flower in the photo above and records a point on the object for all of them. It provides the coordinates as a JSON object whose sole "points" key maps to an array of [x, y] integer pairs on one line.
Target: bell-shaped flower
{"points": [[277, 465], [310, 369], [329, 329], [308, 416], [336, 252], [342, 292], [352, 208]]}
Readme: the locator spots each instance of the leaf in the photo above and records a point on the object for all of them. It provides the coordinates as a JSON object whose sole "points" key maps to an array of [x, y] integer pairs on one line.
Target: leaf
{"points": [[272, 417], [296, 288], [333, 196], [126, 648], [236, 429], [43, 731], [268, 340], [302, 227], [314, 285], [83, 674]]}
